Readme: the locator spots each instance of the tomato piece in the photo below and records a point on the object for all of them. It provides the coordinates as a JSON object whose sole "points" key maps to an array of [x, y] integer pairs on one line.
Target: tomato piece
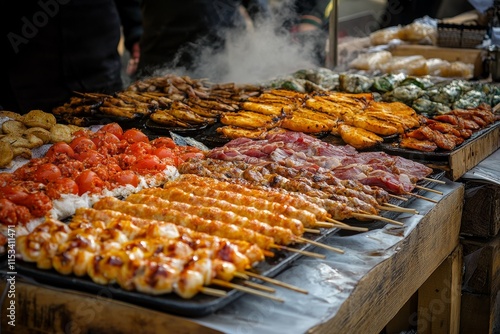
{"points": [[113, 128], [14, 193], [71, 168], [37, 203], [46, 173], [81, 144], [6, 179], [163, 152], [63, 185], [88, 181], [90, 158], [12, 214], [135, 136], [163, 142], [126, 177], [139, 149], [147, 164], [59, 148]]}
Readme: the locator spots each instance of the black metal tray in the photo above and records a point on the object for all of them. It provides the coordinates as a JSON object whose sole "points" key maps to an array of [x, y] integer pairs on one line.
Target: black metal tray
{"points": [[436, 156], [199, 305], [165, 130]]}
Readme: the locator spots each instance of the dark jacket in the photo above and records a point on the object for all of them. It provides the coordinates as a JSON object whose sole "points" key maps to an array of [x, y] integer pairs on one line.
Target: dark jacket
{"points": [[56, 47]]}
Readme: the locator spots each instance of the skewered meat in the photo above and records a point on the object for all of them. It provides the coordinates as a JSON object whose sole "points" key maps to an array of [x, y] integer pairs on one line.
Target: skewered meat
{"points": [[280, 235], [214, 227], [266, 216]]}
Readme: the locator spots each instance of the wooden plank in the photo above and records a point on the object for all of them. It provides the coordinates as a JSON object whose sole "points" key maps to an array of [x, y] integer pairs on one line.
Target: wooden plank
{"points": [[387, 287], [468, 156], [439, 297], [482, 265], [51, 310], [481, 215], [480, 313]]}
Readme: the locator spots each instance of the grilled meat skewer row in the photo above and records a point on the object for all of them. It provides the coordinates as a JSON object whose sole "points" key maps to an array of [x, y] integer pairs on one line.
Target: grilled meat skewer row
{"points": [[214, 227], [308, 219], [281, 236], [154, 228], [266, 216], [299, 203]]}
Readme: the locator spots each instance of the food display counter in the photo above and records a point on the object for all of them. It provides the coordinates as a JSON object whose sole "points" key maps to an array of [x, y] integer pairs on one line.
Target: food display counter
{"points": [[358, 291]]}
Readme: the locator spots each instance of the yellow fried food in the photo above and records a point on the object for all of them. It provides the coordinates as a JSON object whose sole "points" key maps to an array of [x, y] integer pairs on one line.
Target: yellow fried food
{"points": [[6, 154], [164, 118], [13, 127], [301, 123], [357, 137], [60, 132], [41, 133], [10, 114], [249, 120], [266, 108], [39, 118], [233, 132], [371, 124], [22, 152]]}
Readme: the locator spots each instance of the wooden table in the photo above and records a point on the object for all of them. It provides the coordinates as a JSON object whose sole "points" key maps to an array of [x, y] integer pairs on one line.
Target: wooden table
{"points": [[425, 262]]}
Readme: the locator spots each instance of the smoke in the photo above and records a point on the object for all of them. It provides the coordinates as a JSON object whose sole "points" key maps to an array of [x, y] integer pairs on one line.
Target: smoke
{"points": [[252, 56]]}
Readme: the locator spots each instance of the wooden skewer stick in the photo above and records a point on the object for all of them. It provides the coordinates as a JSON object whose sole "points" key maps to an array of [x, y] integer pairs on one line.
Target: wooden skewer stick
{"points": [[213, 292], [429, 189], [398, 197], [422, 197], [259, 286], [312, 230], [409, 210], [434, 180], [276, 282], [241, 275], [324, 224], [375, 217], [223, 283], [345, 226], [303, 252], [397, 209], [319, 244]]}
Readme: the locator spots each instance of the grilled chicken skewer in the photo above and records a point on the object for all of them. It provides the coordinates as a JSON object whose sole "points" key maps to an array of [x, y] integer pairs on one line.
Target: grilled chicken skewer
{"points": [[139, 227], [214, 227], [281, 236], [273, 219]]}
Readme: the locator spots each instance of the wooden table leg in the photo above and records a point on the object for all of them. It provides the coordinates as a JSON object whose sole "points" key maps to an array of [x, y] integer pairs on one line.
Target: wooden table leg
{"points": [[439, 297]]}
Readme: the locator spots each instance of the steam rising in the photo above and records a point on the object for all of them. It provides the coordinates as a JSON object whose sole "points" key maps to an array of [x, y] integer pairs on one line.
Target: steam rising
{"points": [[251, 56]]}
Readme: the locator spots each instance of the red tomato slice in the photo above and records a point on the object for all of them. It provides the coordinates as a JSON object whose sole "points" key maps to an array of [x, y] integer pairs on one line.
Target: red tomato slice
{"points": [[46, 173], [113, 128], [148, 164], [163, 142], [88, 181], [90, 158], [135, 136], [59, 148], [126, 177], [63, 185], [81, 144], [139, 149]]}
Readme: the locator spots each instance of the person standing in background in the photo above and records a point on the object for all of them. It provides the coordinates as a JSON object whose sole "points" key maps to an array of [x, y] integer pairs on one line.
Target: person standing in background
{"points": [[53, 48], [176, 33]]}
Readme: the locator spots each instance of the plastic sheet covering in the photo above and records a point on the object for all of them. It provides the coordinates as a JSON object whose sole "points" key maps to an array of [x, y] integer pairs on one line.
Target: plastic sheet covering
{"points": [[329, 281]]}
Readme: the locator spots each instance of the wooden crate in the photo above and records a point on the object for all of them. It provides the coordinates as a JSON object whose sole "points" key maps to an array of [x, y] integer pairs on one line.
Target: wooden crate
{"points": [[480, 314], [482, 265], [480, 304], [481, 213]]}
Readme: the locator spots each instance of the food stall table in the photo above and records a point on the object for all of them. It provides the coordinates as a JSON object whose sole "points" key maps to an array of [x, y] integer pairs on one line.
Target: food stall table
{"points": [[359, 291]]}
